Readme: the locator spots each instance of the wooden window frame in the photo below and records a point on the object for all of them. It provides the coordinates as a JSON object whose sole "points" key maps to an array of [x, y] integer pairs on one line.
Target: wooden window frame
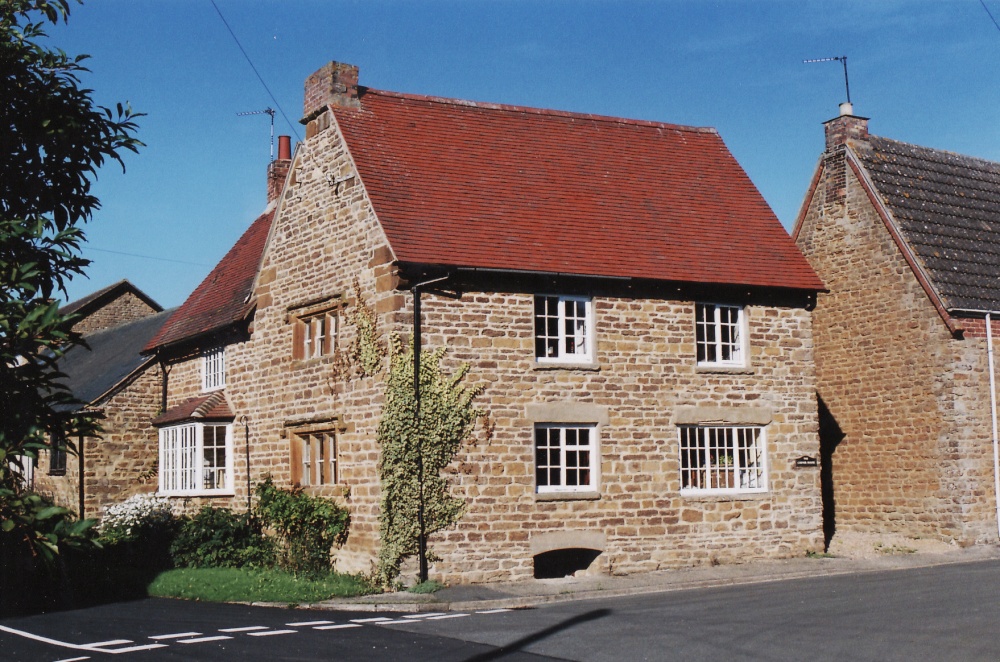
{"points": [[314, 458], [314, 331]]}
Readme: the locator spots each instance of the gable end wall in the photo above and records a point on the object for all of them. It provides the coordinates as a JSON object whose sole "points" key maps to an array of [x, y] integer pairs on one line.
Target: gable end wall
{"points": [[907, 395]]}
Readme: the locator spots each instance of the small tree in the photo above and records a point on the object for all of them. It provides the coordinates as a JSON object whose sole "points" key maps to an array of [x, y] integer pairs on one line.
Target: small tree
{"points": [[447, 418], [53, 139]]}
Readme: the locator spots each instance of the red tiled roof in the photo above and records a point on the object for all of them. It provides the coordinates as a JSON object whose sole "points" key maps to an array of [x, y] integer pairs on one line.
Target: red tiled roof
{"points": [[212, 407], [220, 299], [490, 186]]}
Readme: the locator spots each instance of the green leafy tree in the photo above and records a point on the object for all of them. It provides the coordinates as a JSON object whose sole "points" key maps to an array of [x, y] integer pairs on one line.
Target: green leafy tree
{"points": [[53, 140], [447, 417]]}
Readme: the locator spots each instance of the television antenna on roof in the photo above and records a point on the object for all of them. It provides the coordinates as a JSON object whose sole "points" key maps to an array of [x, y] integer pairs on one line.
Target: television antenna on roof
{"points": [[842, 59], [267, 111]]}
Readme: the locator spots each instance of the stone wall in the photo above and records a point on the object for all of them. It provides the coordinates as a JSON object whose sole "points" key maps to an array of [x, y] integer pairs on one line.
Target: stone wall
{"points": [[126, 307], [910, 399], [122, 461], [645, 381]]}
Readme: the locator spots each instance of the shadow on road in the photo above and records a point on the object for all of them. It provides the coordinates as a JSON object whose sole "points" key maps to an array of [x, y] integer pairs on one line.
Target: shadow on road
{"points": [[517, 646]]}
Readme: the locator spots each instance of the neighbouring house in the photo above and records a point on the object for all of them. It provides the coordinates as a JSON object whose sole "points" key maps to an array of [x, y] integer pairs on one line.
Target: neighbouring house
{"points": [[906, 239], [639, 318], [115, 304], [111, 378], [208, 373]]}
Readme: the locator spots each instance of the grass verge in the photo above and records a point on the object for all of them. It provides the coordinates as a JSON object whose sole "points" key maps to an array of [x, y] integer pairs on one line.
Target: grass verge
{"points": [[245, 585], [429, 586]]}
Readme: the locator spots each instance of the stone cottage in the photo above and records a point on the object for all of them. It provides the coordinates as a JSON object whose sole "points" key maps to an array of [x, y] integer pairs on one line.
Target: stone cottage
{"points": [[906, 240], [638, 317], [111, 377]]}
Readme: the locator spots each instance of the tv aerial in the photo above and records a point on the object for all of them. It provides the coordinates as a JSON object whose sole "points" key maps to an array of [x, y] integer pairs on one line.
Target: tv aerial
{"points": [[267, 111], [843, 60]]}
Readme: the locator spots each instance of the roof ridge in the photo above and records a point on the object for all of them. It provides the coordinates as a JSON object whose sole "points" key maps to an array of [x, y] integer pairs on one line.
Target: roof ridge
{"points": [[210, 402], [939, 151], [538, 111]]}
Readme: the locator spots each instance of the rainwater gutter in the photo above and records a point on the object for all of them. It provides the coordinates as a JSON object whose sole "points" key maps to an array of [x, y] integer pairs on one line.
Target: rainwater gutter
{"points": [[993, 402]]}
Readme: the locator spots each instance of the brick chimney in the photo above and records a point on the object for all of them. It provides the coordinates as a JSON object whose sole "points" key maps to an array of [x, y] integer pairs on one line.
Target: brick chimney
{"points": [[335, 84], [846, 127], [277, 171]]}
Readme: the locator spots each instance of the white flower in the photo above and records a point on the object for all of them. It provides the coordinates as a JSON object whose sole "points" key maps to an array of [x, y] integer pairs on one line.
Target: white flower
{"points": [[136, 511]]}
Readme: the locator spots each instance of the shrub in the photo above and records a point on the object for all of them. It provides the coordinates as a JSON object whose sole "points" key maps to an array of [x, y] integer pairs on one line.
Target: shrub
{"points": [[219, 538], [307, 526], [136, 535], [138, 517]]}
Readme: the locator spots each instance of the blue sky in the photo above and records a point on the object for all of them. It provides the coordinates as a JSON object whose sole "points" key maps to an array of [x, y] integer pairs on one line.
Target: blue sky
{"points": [[925, 72]]}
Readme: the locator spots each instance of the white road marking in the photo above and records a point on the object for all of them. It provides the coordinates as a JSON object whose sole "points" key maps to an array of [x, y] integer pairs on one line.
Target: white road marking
{"points": [[271, 632], [441, 618], [93, 648], [251, 628], [424, 615], [129, 649], [179, 635], [113, 642], [303, 624], [200, 640], [73, 659], [378, 619], [338, 627], [493, 611]]}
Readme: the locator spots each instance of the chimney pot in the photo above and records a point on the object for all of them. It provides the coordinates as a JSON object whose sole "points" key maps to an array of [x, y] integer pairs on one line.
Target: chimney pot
{"points": [[277, 170], [846, 108]]}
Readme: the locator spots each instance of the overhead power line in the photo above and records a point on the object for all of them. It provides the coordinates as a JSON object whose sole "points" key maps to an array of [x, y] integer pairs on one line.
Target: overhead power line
{"points": [[990, 14], [146, 257], [257, 73]]}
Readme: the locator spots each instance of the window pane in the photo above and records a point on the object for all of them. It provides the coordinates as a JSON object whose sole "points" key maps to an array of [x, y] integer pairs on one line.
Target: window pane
{"points": [[561, 327], [214, 451], [563, 456], [721, 458], [306, 461], [718, 334]]}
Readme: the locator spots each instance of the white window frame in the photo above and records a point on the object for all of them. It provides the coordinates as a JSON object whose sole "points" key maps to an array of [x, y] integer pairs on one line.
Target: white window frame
{"points": [[562, 338], [182, 467], [23, 466], [213, 369], [715, 319], [564, 463], [722, 459]]}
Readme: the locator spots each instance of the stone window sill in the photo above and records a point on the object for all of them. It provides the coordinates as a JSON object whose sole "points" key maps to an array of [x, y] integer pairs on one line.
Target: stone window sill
{"points": [[724, 369], [592, 367], [307, 363], [567, 496], [197, 494], [719, 496]]}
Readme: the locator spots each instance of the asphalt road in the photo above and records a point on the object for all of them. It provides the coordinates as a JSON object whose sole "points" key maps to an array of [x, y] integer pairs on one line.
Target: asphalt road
{"points": [[938, 613]]}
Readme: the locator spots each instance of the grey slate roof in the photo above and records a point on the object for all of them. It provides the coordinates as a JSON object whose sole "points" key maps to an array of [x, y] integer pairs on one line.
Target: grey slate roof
{"points": [[947, 207], [113, 355]]}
